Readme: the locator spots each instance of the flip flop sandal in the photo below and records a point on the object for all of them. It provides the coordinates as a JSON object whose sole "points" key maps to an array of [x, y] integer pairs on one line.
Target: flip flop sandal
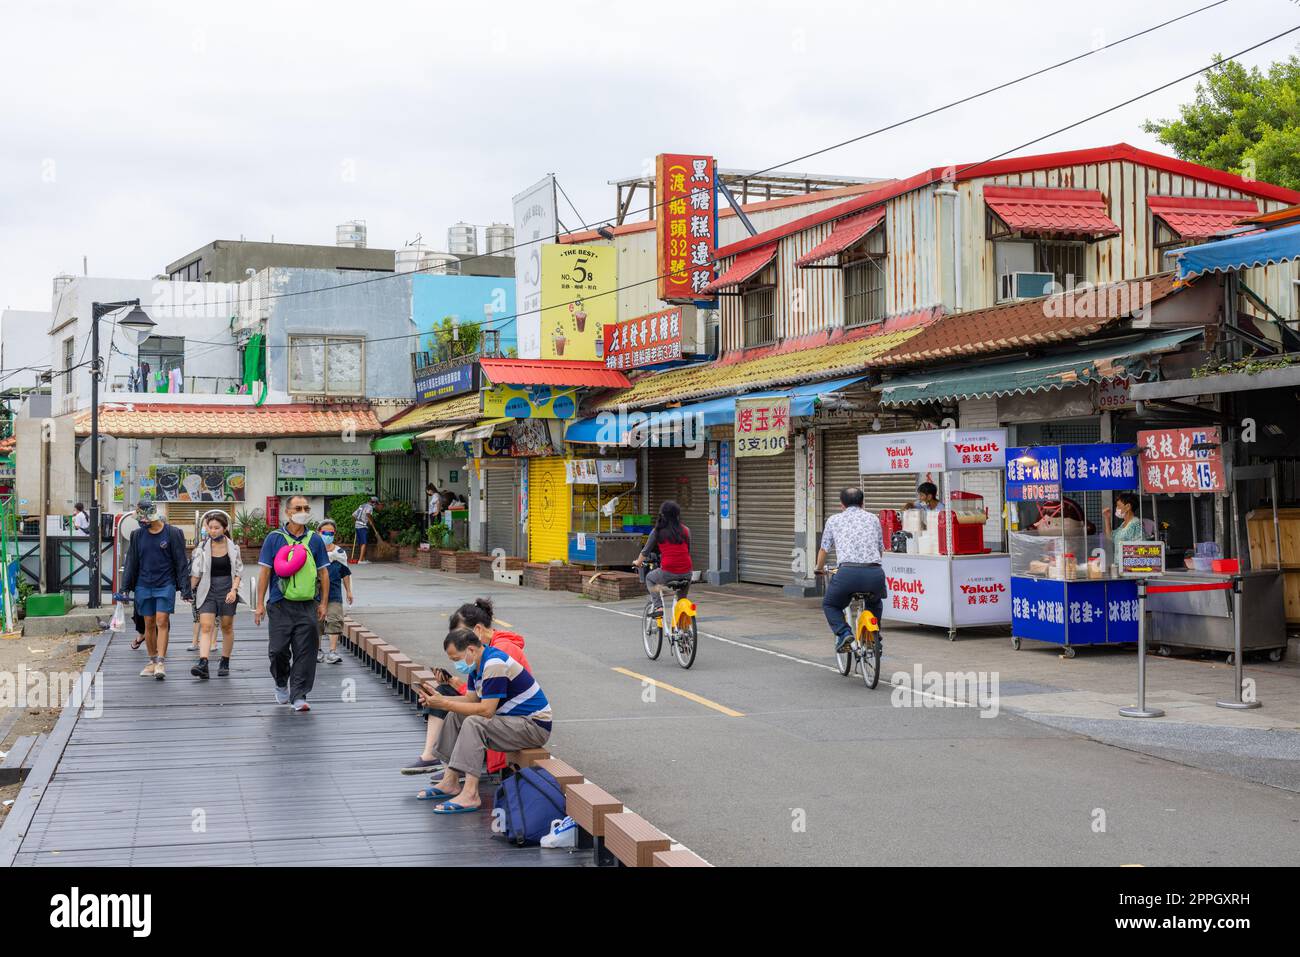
{"points": [[136, 643], [452, 808], [432, 794]]}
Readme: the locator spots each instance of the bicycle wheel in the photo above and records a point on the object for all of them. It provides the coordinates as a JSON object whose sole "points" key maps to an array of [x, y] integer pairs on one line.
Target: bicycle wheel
{"points": [[871, 661], [685, 645], [651, 634], [844, 659]]}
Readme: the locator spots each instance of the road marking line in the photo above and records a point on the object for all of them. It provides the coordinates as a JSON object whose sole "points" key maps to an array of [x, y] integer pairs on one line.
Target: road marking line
{"points": [[691, 696], [503, 623], [916, 692]]}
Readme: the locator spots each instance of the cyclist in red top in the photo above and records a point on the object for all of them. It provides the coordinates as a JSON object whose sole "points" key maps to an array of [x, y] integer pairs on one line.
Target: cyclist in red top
{"points": [[672, 540]]}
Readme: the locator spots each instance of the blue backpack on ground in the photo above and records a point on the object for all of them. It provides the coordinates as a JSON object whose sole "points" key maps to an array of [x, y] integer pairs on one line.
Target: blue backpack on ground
{"points": [[527, 802]]}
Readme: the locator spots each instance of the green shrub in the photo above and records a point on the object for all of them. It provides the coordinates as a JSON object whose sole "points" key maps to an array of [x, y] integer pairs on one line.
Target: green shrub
{"points": [[341, 510], [437, 534], [395, 517]]}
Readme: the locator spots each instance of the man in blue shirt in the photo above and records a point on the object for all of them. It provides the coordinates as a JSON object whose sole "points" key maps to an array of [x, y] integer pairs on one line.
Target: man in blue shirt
{"points": [[156, 568], [293, 625]]}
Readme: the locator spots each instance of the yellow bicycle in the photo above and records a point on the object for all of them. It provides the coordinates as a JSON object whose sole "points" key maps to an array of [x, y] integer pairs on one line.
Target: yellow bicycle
{"points": [[865, 649], [679, 624]]}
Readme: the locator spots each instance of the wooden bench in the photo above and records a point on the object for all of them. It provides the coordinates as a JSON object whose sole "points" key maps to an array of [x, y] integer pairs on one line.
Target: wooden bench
{"points": [[527, 757], [589, 806], [418, 677], [366, 642], [680, 858], [400, 667], [384, 653], [633, 839], [563, 773]]}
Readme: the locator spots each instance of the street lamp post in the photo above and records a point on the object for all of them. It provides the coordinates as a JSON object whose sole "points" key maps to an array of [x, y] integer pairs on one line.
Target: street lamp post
{"points": [[139, 322]]}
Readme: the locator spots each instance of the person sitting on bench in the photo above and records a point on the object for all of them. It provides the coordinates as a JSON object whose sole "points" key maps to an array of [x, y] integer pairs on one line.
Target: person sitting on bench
{"points": [[503, 708]]}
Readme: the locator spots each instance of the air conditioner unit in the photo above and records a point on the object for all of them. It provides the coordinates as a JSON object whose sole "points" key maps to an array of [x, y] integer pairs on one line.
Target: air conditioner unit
{"points": [[1025, 285]]}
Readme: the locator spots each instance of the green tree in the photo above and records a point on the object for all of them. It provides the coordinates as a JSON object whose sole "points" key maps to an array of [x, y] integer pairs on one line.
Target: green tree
{"points": [[1243, 121], [450, 339]]}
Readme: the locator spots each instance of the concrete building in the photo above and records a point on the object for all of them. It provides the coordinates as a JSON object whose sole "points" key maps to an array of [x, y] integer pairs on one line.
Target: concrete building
{"points": [[228, 260], [24, 351]]}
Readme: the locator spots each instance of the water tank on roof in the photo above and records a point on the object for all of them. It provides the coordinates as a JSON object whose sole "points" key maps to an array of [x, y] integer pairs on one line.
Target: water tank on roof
{"points": [[462, 239], [500, 239], [420, 258], [61, 282], [351, 235]]}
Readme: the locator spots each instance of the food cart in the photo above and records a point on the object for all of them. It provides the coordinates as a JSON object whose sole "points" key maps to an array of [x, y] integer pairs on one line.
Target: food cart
{"points": [[945, 576], [600, 534], [1186, 462], [1065, 586]]}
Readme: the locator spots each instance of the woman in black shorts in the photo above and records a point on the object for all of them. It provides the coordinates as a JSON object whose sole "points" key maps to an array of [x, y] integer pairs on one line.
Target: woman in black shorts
{"points": [[215, 574]]}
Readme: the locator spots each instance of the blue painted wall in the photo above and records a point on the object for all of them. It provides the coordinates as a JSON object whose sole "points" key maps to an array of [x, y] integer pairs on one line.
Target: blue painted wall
{"points": [[434, 297]]}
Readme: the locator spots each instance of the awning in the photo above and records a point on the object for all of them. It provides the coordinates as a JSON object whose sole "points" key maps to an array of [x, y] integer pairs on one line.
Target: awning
{"points": [[846, 232], [393, 443], [482, 430], [1241, 252], [1123, 359], [556, 372], [1051, 212], [460, 408], [1196, 217], [1286, 377], [745, 265], [602, 428]]}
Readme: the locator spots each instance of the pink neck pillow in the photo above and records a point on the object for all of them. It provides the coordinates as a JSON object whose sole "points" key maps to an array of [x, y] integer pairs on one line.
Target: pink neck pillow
{"points": [[290, 558]]}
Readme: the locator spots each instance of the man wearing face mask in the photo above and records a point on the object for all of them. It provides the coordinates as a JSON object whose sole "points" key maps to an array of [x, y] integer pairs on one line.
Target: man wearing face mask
{"points": [[293, 624], [156, 568]]}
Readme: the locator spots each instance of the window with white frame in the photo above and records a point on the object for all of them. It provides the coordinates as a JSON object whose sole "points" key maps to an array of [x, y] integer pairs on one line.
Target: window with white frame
{"points": [[1065, 262], [69, 349], [327, 365]]}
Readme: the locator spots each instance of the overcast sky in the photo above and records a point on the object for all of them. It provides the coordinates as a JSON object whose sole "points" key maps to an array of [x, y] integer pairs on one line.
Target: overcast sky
{"points": [[136, 132]]}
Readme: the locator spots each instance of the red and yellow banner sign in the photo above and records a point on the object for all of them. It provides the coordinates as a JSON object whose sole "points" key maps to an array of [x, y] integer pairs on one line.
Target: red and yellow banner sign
{"points": [[762, 426], [1182, 460], [686, 225], [644, 341]]}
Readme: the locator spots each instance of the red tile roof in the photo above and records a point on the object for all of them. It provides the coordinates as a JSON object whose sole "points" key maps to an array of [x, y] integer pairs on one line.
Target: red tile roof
{"points": [[141, 420], [746, 265], [846, 232], [1195, 217], [1030, 322], [1010, 165], [563, 372], [1051, 212]]}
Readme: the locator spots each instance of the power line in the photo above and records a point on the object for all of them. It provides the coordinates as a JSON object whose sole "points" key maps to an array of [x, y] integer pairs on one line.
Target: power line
{"points": [[892, 126]]}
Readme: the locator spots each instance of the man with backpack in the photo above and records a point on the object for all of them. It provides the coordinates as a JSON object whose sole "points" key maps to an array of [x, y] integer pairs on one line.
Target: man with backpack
{"points": [[293, 593]]}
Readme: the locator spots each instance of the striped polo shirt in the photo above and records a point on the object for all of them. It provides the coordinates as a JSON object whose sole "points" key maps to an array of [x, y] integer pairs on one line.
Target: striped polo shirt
{"points": [[500, 676]]}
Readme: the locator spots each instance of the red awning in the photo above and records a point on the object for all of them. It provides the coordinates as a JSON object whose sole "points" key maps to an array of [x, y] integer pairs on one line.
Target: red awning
{"points": [[745, 266], [553, 372], [1077, 213], [1194, 217], [846, 232]]}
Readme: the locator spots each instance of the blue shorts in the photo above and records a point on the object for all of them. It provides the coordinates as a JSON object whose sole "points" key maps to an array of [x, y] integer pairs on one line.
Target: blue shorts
{"points": [[363, 535], [150, 601]]}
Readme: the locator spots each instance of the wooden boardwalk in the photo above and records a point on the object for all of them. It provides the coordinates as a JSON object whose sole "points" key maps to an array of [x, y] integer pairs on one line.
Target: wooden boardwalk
{"points": [[189, 772]]}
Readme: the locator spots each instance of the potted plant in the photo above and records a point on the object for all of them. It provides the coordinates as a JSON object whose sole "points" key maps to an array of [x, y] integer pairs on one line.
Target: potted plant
{"points": [[408, 543], [438, 536]]}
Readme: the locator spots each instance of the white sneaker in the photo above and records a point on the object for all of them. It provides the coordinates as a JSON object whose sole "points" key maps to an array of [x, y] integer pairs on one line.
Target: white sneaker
{"points": [[564, 833], [320, 655], [333, 658]]}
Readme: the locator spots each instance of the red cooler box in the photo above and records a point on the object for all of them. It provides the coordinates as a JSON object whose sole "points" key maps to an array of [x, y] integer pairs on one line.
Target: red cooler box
{"points": [[968, 528]]}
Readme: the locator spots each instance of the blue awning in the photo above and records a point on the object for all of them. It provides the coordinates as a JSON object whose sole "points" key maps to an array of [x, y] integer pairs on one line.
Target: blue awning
{"points": [[1240, 252], [803, 401]]}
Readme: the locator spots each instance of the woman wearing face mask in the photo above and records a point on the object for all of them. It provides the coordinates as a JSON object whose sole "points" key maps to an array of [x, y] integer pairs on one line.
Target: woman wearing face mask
{"points": [[476, 616], [216, 571], [1130, 525], [340, 583]]}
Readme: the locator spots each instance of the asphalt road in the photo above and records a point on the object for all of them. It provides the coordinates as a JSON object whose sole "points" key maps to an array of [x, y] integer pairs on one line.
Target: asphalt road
{"points": [[816, 769]]}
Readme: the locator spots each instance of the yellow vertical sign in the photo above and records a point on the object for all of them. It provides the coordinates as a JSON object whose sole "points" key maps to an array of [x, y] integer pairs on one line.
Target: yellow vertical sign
{"points": [[579, 299]]}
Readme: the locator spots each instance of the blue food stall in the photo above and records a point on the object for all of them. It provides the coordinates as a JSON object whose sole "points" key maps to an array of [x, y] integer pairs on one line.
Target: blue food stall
{"points": [[1065, 587]]}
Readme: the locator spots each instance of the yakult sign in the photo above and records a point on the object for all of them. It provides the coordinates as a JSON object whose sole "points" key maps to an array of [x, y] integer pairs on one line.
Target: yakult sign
{"points": [[915, 452]]}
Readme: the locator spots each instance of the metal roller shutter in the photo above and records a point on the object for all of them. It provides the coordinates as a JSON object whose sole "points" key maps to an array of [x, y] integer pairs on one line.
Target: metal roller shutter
{"points": [[675, 477], [550, 503], [399, 479], [502, 508], [840, 471], [765, 518]]}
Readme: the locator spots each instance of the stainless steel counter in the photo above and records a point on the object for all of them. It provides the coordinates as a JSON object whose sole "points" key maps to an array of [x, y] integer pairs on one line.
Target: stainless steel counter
{"points": [[1203, 619]]}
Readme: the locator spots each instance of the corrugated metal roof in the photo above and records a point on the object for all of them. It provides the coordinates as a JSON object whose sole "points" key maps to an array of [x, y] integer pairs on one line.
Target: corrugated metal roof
{"points": [[768, 371], [1017, 164], [459, 408], [1127, 359], [846, 232], [592, 374], [1197, 217], [745, 266], [1051, 212], [1031, 322], [242, 421]]}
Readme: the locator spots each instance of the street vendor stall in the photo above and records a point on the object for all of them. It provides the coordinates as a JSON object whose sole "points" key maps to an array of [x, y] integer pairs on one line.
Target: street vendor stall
{"points": [[1066, 588], [1191, 461], [939, 568], [604, 532]]}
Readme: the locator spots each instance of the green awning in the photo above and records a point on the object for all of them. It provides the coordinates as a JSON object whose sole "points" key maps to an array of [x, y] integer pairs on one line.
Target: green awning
{"points": [[393, 443], [1127, 358]]}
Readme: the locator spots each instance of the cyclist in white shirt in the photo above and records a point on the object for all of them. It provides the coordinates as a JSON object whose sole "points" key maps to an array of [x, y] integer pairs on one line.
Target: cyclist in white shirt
{"points": [[855, 536]]}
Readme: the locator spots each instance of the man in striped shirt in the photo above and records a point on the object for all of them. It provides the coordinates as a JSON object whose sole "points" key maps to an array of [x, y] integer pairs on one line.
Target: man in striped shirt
{"points": [[503, 708]]}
